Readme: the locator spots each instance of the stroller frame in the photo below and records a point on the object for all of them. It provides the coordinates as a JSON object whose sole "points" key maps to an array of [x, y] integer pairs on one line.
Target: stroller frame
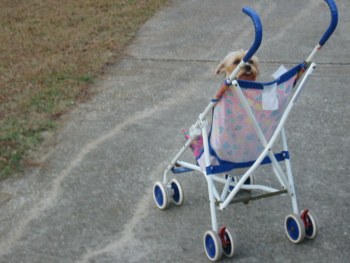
{"points": [[223, 200], [297, 225]]}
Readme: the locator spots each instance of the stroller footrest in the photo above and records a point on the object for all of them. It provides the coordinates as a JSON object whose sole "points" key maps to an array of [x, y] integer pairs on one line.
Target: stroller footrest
{"points": [[179, 170], [246, 196]]}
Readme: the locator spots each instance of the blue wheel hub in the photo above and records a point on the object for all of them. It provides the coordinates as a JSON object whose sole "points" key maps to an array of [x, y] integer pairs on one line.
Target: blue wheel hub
{"points": [[210, 246], [227, 246], [293, 228], [176, 195], [309, 229], [159, 195]]}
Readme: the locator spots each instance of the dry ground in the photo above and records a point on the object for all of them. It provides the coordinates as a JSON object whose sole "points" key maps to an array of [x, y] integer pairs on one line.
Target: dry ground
{"points": [[50, 53]]}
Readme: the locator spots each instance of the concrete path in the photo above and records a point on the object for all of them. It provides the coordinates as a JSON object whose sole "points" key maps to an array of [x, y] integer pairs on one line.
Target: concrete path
{"points": [[91, 200]]}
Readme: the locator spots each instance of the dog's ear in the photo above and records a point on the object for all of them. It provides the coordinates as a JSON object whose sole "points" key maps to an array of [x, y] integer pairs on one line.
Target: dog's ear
{"points": [[221, 68]]}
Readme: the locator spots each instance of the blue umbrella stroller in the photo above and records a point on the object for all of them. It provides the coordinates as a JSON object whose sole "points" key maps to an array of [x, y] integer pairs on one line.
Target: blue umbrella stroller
{"points": [[246, 120]]}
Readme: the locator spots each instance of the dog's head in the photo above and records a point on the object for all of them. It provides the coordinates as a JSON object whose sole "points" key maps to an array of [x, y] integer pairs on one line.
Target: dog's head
{"points": [[249, 71]]}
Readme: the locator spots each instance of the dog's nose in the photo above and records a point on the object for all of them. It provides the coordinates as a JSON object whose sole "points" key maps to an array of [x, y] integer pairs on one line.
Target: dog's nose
{"points": [[247, 67]]}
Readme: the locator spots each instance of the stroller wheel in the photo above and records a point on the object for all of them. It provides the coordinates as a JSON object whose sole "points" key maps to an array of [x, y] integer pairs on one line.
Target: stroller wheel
{"points": [[177, 192], [160, 195], [310, 223], [228, 242], [212, 245], [294, 228]]}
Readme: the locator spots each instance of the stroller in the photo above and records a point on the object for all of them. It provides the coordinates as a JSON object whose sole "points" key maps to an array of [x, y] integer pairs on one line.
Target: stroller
{"points": [[246, 119]]}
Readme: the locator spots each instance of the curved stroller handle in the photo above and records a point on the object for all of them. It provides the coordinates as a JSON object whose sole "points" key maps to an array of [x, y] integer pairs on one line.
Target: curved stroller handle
{"points": [[258, 32], [333, 24]]}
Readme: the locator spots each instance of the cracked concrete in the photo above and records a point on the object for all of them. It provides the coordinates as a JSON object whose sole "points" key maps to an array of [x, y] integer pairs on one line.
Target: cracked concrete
{"points": [[91, 200]]}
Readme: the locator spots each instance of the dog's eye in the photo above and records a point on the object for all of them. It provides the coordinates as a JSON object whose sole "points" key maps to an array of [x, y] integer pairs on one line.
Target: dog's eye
{"points": [[236, 62], [251, 61]]}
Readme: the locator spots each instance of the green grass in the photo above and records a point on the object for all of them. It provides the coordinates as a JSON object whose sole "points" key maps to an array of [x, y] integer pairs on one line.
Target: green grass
{"points": [[50, 54]]}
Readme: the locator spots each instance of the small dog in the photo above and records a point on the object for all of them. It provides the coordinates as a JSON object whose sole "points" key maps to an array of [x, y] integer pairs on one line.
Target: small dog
{"points": [[249, 71]]}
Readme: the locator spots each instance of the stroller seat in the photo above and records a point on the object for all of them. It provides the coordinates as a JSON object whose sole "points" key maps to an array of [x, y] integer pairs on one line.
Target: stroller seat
{"points": [[233, 140]]}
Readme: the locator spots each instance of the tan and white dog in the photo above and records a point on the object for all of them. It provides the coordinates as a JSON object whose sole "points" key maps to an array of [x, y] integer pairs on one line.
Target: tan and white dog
{"points": [[249, 71]]}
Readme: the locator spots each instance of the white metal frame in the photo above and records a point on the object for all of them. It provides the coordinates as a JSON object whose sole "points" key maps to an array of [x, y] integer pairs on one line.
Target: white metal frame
{"points": [[221, 201]]}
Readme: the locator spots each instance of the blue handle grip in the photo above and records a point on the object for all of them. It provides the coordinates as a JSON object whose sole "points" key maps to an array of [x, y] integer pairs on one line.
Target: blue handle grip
{"points": [[258, 32], [333, 24]]}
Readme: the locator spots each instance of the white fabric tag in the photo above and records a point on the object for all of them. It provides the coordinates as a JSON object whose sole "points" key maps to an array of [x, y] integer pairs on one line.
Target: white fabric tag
{"points": [[269, 97], [281, 70]]}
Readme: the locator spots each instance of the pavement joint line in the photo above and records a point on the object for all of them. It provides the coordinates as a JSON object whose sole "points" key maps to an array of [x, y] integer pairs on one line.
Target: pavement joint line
{"points": [[216, 61]]}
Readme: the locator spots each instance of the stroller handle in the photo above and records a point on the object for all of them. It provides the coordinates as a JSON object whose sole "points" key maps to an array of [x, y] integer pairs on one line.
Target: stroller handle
{"points": [[333, 24], [258, 32]]}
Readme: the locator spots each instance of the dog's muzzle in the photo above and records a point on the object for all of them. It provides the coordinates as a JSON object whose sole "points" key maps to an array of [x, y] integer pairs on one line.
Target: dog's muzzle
{"points": [[247, 68]]}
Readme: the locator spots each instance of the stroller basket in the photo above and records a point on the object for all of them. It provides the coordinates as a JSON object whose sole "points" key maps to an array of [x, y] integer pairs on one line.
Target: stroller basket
{"points": [[246, 120]]}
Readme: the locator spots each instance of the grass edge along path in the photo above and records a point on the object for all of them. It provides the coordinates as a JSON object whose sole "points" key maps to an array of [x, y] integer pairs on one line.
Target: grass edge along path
{"points": [[50, 54]]}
